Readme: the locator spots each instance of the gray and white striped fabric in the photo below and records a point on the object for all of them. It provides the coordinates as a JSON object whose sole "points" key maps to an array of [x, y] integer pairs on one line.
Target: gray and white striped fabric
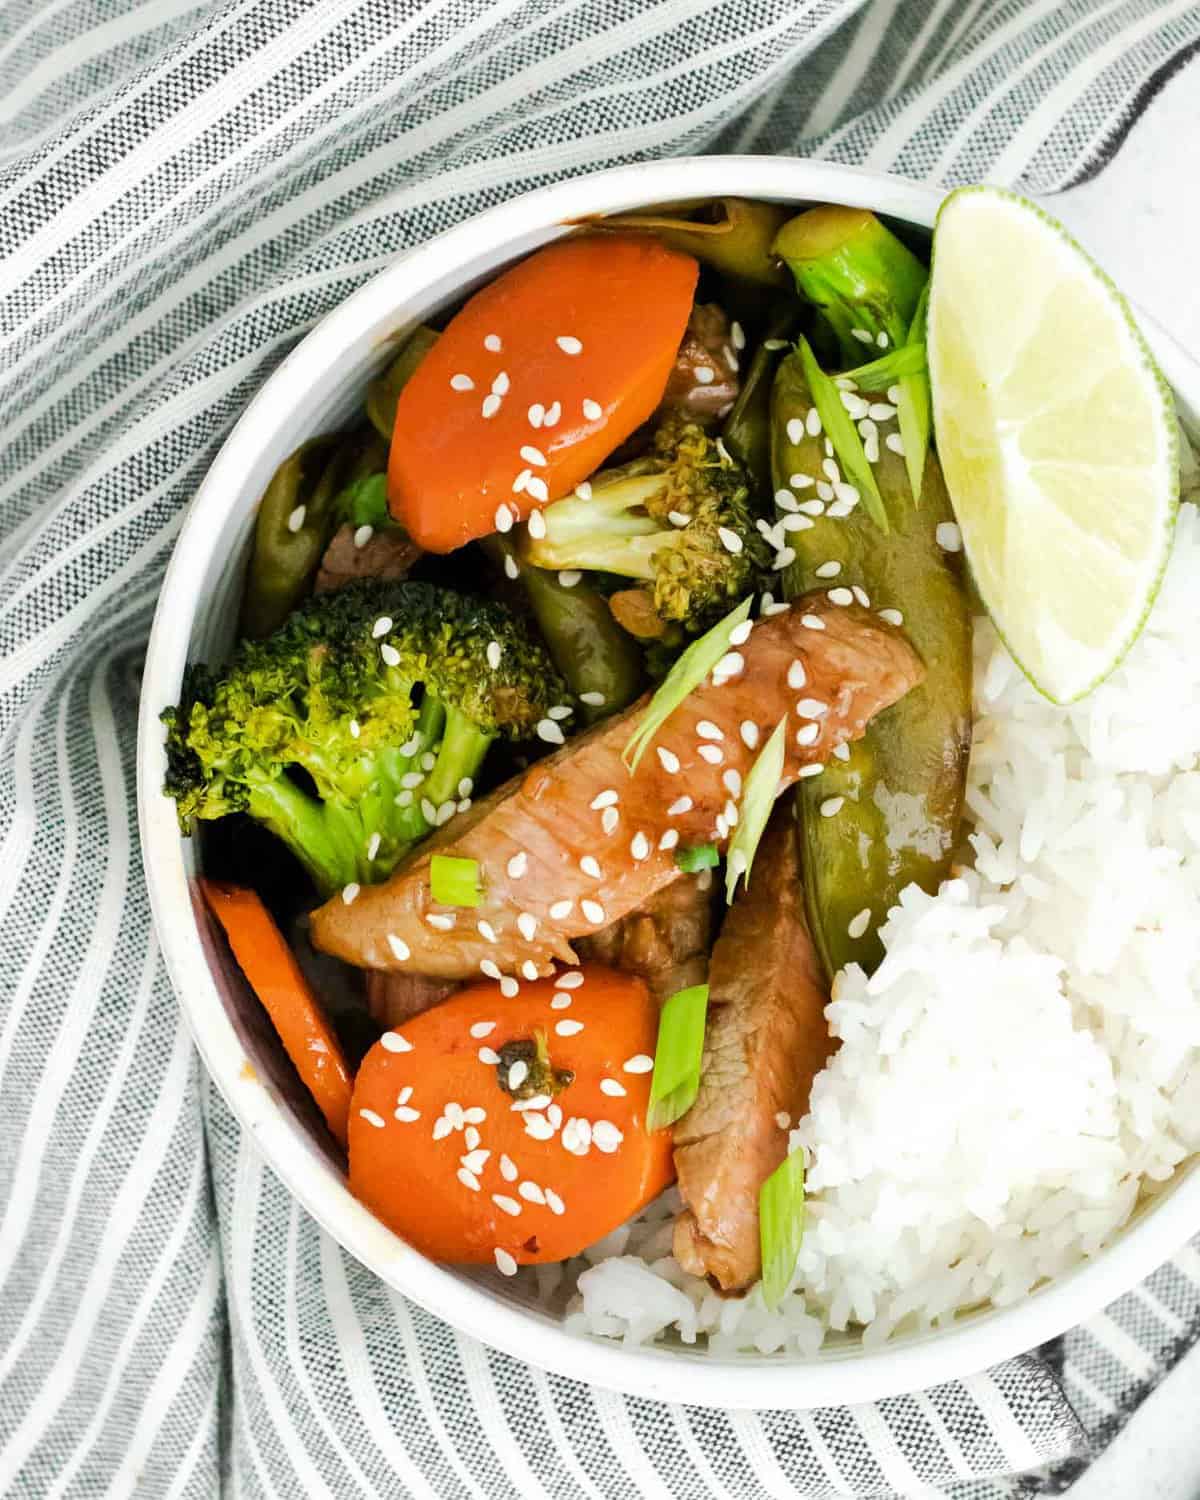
{"points": [[184, 189]]}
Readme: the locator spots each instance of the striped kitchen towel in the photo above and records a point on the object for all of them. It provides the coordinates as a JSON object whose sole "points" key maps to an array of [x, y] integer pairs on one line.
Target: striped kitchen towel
{"points": [[185, 186]]}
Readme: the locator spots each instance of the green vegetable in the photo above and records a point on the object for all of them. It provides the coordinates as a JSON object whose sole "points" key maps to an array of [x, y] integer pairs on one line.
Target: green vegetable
{"points": [[758, 798], [698, 857], [904, 781], [698, 563], [747, 430], [878, 374], [364, 503], [359, 724], [600, 662], [842, 433], [733, 235], [869, 287], [383, 393], [781, 1226], [298, 513], [453, 881], [689, 671], [677, 1057]]}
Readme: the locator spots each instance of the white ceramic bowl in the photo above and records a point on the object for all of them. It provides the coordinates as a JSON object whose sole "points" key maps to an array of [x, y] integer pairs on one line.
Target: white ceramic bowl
{"points": [[316, 388]]}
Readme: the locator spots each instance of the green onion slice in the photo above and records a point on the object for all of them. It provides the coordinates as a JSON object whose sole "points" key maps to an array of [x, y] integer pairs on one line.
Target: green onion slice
{"points": [[889, 368], [676, 1080], [454, 882], [758, 798], [781, 1226], [843, 434], [698, 857], [914, 407], [687, 674]]}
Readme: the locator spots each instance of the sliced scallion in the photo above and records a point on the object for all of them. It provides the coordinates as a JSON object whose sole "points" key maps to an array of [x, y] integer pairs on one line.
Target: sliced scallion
{"points": [[687, 674], [676, 1080], [453, 881], [698, 857], [907, 359], [758, 798], [914, 409], [843, 434], [781, 1226]]}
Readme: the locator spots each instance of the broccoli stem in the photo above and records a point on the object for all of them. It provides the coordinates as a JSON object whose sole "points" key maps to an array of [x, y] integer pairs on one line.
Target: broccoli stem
{"points": [[856, 271], [328, 840], [460, 754]]}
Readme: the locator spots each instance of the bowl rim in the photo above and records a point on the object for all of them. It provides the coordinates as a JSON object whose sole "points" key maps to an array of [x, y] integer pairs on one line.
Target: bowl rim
{"points": [[835, 1376]]}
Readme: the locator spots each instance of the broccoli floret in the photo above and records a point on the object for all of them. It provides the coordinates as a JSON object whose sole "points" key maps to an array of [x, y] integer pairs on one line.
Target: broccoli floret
{"points": [[362, 722], [634, 525]]}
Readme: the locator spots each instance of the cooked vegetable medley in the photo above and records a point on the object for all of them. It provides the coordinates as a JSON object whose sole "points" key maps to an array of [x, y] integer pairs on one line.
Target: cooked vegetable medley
{"points": [[596, 697]]}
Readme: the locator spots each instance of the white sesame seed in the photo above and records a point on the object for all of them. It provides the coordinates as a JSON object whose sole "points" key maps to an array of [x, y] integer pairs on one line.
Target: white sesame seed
{"points": [[441, 1128], [593, 700], [533, 455], [518, 1073], [372, 1118], [590, 865], [569, 344], [847, 494], [474, 1160], [812, 423], [505, 1264], [859, 924], [500, 384], [730, 813], [722, 827], [521, 483], [571, 979], [559, 712], [784, 558], [491, 342], [678, 517], [732, 782], [737, 335], [488, 1055], [503, 518], [861, 335], [536, 414], [355, 729], [882, 340], [840, 596], [389, 654], [785, 499], [592, 410], [454, 1113], [749, 733], [832, 806], [350, 892], [531, 1192], [830, 469], [797, 677], [892, 616], [490, 968], [607, 798], [812, 508], [392, 1041], [561, 909], [808, 734], [783, 1119], [468, 1179], [713, 754], [553, 412], [949, 538], [740, 633], [381, 627], [855, 405], [812, 708], [814, 770], [707, 730], [861, 595], [795, 430], [373, 844], [829, 569], [705, 375], [508, 1168], [554, 1203], [560, 1002], [895, 443], [444, 922], [613, 1088], [667, 759], [639, 846], [363, 535], [428, 760], [609, 819], [606, 1136], [729, 540], [593, 911], [511, 567], [461, 383], [871, 450], [549, 731], [825, 490], [840, 508], [568, 1028], [296, 520], [669, 839], [529, 970], [584, 489], [680, 805], [729, 666], [812, 622], [527, 926], [841, 752], [867, 429], [486, 931], [536, 488], [475, 1115], [445, 813], [801, 481], [491, 405], [538, 1127], [881, 411], [484, 1028], [569, 577], [577, 1136], [428, 811]]}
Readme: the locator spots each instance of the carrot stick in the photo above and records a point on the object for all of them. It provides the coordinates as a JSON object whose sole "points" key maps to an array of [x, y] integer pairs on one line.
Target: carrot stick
{"points": [[439, 1152], [533, 384], [276, 978]]}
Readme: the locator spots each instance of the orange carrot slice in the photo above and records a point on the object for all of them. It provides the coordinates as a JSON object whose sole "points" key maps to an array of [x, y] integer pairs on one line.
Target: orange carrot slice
{"points": [[440, 1153], [287, 997], [534, 383]]}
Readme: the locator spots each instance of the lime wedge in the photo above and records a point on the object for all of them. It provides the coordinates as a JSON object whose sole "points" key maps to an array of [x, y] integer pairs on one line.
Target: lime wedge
{"points": [[1056, 434]]}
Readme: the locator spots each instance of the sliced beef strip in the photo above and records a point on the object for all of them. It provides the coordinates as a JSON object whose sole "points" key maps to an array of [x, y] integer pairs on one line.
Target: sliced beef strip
{"points": [[704, 381], [395, 998], [665, 942], [577, 842], [767, 1039], [388, 554]]}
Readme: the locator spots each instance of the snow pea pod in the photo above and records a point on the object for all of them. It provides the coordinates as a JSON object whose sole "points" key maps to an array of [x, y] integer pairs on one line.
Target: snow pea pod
{"points": [[733, 235], [890, 813], [747, 430]]}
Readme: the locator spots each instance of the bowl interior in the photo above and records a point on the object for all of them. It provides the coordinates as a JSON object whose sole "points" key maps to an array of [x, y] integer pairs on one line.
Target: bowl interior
{"points": [[316, 390]]}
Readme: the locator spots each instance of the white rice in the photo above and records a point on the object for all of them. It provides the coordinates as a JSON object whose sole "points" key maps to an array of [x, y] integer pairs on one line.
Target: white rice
{"points": [[1024, 1065]]}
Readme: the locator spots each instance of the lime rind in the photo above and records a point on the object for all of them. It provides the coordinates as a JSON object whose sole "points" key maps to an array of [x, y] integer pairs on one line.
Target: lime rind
{"points": [[1167, 449]]}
